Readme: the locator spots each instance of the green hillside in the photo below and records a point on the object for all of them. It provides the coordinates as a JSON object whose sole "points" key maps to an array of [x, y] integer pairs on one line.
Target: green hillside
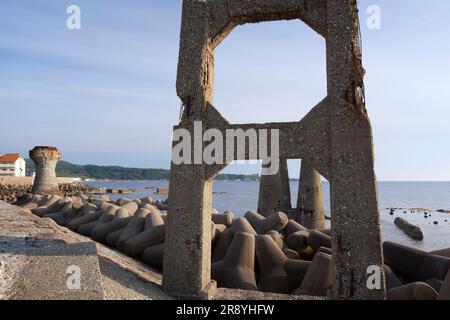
{"points": [[67, 169]]}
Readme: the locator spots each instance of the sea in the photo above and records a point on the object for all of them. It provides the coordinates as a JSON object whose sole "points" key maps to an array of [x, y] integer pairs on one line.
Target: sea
{"points": [[411, 200]]}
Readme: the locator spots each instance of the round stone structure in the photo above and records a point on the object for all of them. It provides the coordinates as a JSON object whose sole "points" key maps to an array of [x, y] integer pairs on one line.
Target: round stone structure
{"points": [[45, 159], [311, 212]]}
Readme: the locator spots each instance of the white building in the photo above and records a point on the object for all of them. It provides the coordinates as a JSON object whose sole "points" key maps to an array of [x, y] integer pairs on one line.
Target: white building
{"points": [[12, 165]]}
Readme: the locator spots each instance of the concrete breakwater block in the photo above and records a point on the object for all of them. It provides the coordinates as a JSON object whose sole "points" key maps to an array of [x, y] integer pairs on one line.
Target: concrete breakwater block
{"points": [[278, 274], [154, 218], [278, 238], [414, 232], [102, 230], [147, 206], [412, 291], [392, 281], [55, 204], [24, 199], [123, 201], [33, 203], [226, 218], [73, 216], [58, 216], [413, 264], [298, 241], [317, 239], [217, 230], [60, 272], [160, 205], [154, 256], [222, 244], [242, 225], [275, 221], [444, 293], [39, 201], [87, 217], [131, 207], [133, 228], [99, 202], [443, 252], [113, 237], [291, 254], [105, 216], [293, 226], [325, 250], [86, 229], [135, 246], [435, 284], [223, 239], [319, 277], [237, 269], [147, 200]]}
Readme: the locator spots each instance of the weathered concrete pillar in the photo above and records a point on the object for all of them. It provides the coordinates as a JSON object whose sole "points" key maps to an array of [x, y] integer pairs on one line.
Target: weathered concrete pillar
{"points": [[310, 210], [356, 233], [275, 191], [187, 257], [45, 160]]}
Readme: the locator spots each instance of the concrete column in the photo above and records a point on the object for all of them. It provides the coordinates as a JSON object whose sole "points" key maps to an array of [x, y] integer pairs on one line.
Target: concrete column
{"points": [[187, 258], [356, 231], [45, 160], [310, 210], [275, 191]]}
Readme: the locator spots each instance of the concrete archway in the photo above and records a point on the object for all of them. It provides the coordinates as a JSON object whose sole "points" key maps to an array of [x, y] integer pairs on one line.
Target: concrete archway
{"points": [[335, 138]]}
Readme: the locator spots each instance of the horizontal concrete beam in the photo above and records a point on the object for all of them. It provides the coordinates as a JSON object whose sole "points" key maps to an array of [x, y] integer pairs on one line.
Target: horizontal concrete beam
{"points": [[227, 14], [307, 139]]}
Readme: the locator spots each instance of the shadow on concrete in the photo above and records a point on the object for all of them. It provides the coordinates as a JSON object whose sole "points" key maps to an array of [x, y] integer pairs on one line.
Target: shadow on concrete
{"points": [[28, 246], [130, 280]]}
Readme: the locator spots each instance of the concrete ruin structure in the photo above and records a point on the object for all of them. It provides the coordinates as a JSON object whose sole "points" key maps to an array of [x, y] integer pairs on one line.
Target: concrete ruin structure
{"points": [[45, 160], [275, 191], [334, 138], [275, 195]]}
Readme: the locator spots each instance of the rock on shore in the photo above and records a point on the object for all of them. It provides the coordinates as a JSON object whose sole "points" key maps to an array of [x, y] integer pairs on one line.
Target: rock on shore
{"points": [[10, 193]]}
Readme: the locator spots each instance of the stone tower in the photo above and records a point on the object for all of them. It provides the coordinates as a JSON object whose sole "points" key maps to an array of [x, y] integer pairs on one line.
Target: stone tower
{"points": [[45, 159]]}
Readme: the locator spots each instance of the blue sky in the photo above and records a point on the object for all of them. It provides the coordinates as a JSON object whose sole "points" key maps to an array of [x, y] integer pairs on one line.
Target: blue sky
{"points": [[105, 94]]}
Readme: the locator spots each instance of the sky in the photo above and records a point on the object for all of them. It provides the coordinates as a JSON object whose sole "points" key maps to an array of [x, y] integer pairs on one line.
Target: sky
{"points": [[105, 94]]}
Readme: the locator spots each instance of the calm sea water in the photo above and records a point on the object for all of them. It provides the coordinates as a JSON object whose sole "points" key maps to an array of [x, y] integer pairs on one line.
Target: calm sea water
{"points": [[240, 197]]}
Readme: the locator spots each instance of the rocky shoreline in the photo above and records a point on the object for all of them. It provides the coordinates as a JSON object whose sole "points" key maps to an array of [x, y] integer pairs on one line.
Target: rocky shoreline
{"points": [[10, 193]]}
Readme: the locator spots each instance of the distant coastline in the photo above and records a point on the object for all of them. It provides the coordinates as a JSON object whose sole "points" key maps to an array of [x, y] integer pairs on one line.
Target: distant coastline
{"points": [[117, 173]]}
